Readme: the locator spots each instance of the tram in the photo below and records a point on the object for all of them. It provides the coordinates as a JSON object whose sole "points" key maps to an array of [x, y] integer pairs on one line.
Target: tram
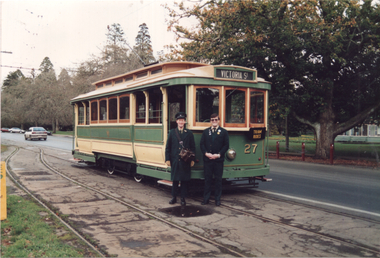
{"points": [[124, 123]]}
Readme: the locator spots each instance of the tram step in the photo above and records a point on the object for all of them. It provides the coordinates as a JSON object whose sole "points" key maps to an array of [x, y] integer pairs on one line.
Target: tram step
{"points": [[166, 182], [264, 179]]}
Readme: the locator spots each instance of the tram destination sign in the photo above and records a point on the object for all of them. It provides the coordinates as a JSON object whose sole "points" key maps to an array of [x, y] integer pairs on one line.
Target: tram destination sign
{"points": [[235, 74], [257, 133]]}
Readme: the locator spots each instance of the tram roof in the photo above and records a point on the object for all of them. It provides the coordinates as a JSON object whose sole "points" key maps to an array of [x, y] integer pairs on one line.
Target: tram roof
{"points": [[167, 74]]}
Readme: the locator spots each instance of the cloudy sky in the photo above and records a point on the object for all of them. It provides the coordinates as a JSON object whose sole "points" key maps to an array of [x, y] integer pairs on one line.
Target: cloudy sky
{"points": [[68, 32]]}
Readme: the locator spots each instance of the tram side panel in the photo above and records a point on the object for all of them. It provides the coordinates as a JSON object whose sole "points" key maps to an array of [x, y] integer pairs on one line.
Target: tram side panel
{"points": [[249, 160]]}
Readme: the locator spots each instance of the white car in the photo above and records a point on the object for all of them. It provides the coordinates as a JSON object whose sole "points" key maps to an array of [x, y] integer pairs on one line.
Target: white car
{"points": [[35, 133], [16, 130]]}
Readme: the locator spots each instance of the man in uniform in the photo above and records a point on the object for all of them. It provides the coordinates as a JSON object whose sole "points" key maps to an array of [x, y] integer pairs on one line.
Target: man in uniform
{"points": [[180, 170], [214, 145]]}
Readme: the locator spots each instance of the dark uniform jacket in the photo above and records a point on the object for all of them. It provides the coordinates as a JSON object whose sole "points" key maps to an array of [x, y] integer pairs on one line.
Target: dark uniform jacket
{"points": [[214, 143], [180, 170]]}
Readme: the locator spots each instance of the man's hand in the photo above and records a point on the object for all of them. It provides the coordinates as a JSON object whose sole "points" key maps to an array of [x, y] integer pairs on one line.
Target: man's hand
{"points": [[168, 163], [192, 163], [212, 156]]}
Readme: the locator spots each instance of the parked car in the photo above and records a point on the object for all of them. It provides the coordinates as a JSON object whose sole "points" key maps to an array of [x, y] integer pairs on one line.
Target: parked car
{"points": [[48, 132], [35, 133], [16, 130], [5, 130]]}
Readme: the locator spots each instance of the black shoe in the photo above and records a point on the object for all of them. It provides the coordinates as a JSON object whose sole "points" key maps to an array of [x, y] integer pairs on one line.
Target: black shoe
{"points": [[183, 202], [173, 201], [204, 202], [217, 203]]}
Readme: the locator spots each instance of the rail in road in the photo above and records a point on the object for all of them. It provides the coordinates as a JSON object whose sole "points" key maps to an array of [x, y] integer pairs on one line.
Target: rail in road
{"points": [[246, 224]]}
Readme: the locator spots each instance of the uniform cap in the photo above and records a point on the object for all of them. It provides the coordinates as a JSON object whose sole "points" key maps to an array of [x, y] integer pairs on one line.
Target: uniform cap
{"points": [[180, 115]]}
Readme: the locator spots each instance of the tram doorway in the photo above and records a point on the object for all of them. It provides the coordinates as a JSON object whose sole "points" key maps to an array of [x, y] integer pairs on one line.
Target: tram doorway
{"points": [[177, 103]]}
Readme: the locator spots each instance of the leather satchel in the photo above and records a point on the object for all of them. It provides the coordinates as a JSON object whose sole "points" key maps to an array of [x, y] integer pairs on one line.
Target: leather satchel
{"points": [[186, 154]]}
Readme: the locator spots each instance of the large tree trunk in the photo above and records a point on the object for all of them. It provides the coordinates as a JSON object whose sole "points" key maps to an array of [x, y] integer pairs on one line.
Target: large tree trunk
{"points": [[286, 134], [53, 126], [324, 130], [56, 124]]}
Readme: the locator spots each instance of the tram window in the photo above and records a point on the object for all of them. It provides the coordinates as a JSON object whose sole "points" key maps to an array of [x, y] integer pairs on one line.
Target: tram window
{"points": [[235, 106], [112, 107], [207, 102], [140, 75], [124, 109], [94, 111], [80, 114], [103, 110], [87, 113], [155, 100], [257, 107], [156, 71], [140, 107]]}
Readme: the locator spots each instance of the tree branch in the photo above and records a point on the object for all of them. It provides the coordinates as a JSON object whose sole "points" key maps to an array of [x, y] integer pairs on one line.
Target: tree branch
{"points": [[358, 119]]}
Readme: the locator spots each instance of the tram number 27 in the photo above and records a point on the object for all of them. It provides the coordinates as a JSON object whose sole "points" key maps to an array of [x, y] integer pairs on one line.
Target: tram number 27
{"points": [[247, 149]]}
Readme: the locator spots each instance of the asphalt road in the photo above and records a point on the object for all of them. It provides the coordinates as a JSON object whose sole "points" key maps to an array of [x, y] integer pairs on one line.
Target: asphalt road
{"points": [[350, 189], [60, 142], [326, 185]]}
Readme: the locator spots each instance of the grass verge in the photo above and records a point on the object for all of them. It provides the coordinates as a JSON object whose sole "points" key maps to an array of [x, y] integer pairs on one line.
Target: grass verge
{"points": [[349, 150], [30, 231], [3, 148]]}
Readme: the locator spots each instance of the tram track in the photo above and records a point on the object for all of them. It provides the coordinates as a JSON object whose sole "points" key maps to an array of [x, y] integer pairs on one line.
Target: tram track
{"points": [[346, 242], [222, 247], [300, 227], [42, 203]]}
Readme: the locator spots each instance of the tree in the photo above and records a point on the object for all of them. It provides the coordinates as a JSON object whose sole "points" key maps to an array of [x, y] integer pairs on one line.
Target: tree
{"points": [[143, 45], [115, 52], [12, 79], [322, 56]]}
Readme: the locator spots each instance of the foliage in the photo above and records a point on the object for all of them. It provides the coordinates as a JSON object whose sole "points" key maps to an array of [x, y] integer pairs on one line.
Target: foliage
{"points": [[143, 45], [12, 79], [321, 56], [42, 98]]}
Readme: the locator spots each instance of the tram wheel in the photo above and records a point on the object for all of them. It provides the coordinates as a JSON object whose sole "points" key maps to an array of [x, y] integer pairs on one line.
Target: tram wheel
{"points": [[110, 170], [138, 178]]}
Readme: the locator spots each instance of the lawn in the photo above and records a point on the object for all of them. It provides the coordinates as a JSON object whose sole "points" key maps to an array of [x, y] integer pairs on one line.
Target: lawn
{"points": [[30, 231], [349, 150]]}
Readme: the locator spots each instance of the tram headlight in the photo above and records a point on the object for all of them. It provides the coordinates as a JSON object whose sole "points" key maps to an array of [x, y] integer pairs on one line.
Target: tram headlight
{"points": [[231, 154]]}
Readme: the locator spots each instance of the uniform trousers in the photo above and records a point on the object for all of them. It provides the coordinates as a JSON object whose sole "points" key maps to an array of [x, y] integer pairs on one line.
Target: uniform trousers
{"points": [[213, 169], [184, 187]]}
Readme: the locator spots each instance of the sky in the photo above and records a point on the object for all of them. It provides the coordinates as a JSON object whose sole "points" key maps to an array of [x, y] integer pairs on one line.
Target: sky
{"points": [[68, 32]]}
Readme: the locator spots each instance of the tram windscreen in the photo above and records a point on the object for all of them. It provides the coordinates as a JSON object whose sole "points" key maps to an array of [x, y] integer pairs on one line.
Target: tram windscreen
{"points": [[235, 106], [257, 107], [207, 103]]}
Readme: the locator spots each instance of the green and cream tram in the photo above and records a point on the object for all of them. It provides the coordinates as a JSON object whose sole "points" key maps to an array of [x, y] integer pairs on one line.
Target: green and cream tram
{"points": [[124, 123]]}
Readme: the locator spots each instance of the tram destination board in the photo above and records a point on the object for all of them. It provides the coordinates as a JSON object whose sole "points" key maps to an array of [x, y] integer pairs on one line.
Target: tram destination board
{"points": [[257, 133], [235, 74]]}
